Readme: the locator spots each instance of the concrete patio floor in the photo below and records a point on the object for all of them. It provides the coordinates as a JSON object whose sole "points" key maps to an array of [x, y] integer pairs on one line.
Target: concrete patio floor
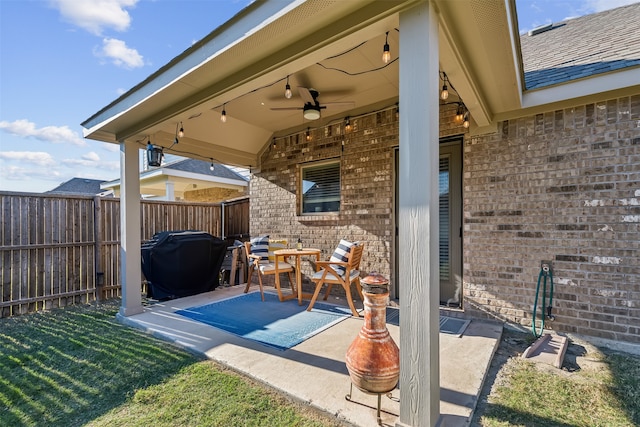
{"points": [[314, 371]]}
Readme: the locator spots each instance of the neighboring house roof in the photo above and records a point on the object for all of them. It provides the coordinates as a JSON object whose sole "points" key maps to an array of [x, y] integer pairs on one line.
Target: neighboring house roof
{"points": [[80, 186], [582, 47], [204, 168], [185, 174]]}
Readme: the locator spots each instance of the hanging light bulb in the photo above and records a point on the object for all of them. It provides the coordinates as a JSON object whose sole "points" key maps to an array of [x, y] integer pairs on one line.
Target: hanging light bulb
{"points": [[223, 115], [211, 166], [274, 143], [445, 90], [466, 120], [459, 113], [308, 135], [287, 90], [347, 124], [386, 54], [181, 131]]}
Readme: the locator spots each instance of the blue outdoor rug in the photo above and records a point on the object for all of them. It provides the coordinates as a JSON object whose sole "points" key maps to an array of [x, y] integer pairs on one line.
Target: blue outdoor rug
{"points": [[277, 324]]}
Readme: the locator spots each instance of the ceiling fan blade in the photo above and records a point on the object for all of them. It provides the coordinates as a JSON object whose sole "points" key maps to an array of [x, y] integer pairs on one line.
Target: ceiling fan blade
{"points": [[285, 108], [306, 96], [340, 104]]}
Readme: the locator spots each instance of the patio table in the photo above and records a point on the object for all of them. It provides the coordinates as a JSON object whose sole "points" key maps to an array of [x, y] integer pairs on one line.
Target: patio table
{"points": [[297, 254]]}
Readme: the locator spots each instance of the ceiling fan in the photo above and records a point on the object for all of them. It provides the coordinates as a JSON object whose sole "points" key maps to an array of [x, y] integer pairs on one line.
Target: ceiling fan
{"points": [[311, 108]]}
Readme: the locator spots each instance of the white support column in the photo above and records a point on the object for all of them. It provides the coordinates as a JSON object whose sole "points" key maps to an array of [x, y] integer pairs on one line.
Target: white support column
{"points": [[130, 262], [418, 218], [169, 191]]}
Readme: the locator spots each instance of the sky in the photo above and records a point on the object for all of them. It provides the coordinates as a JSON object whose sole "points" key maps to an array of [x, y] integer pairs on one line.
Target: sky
{"points": [[61, 61]]}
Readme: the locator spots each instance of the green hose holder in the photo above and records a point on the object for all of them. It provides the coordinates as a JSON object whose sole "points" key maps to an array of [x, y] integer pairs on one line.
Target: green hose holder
{"points": [[546, 271]]}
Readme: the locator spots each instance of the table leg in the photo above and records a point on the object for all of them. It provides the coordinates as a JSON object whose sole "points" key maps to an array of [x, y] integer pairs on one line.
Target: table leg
{"points": [[299, 278]]}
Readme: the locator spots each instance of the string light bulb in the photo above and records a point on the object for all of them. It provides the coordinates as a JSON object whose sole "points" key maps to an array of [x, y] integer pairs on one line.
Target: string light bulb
{"points": [[459, 113], [386, 53], [445, 90], [181, 131], [287, 90], [308, 135], [465, 124], [347, 124], [223, 115], [211, 166]]}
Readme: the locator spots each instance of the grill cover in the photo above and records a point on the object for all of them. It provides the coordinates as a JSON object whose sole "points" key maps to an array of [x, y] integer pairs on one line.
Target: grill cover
{"points": [[181, 263]]}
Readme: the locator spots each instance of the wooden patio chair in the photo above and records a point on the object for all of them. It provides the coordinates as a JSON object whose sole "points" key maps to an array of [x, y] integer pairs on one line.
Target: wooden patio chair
{"points": [[336, 271], [260, 259]]}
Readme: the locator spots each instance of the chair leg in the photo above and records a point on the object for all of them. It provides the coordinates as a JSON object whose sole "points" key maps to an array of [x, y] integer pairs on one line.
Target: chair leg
{"points": [[246, 288], [359, 289], [315, 294], [347, 289], [260, 282], [292, 284], [328, 291], [277, 285]]}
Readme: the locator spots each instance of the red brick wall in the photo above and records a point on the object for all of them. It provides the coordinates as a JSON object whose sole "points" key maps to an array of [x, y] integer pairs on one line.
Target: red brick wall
{"points": [[561, 186]]}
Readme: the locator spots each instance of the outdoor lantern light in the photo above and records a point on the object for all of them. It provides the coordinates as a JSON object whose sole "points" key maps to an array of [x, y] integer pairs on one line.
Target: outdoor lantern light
{"points": [[386, 54], [287, 90], [154, 154]]}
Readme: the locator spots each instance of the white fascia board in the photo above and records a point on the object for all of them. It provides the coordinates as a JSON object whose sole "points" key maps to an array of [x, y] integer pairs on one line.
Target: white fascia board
{"points": [[201, 177], [590, 86], [516, 50], [238, 30]]}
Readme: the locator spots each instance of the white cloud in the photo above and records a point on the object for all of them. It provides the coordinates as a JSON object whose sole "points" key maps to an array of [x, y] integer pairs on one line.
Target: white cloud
{"points": [[17, 173], [92, 160], [55, 134], [120, 54], [96, 15], [39, 158]]}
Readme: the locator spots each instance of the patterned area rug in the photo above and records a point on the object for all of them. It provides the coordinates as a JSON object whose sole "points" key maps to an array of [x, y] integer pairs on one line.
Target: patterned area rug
{"points": [[281, 325]]}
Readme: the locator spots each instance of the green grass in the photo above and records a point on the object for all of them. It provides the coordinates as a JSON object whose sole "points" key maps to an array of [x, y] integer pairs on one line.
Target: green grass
{"points": [[78, 366], [604, 392]]}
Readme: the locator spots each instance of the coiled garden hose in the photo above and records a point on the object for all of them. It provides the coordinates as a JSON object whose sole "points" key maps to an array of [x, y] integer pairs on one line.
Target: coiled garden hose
{"points": [[546, 272]]}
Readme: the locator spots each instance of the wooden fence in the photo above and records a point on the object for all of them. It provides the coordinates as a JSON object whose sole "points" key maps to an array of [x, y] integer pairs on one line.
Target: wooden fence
{"points": [[58, 250]]}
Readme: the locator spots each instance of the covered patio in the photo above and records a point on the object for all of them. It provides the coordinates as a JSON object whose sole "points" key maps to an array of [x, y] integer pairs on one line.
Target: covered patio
{"points": [[314, 371]]}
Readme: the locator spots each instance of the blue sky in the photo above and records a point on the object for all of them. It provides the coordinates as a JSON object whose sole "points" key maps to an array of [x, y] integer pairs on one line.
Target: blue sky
{"points": [[63, 60]]}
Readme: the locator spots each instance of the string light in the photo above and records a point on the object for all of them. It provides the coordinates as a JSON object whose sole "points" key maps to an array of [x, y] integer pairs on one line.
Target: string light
{"points": [[287, 90], [223, 115], [445, 91], [347, 124], [211, 166], [308, 135], [181, 131], [386, 54]]}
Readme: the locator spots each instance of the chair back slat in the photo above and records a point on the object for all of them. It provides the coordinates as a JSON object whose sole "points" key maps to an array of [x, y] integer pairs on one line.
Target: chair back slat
{"points": [[355, 255]]}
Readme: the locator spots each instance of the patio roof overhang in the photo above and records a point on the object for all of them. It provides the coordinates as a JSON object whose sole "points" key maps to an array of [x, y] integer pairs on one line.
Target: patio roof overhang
{"points": [[332, 46]]}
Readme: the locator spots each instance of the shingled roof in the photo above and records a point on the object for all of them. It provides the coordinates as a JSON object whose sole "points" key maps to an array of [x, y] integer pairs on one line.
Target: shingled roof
{"points": [[582, 47], [79, 186], [204, 168]]}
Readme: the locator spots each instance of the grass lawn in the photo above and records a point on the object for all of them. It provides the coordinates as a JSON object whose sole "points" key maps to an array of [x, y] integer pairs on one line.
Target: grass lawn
{"points": [[78, 366], [594, 388]]}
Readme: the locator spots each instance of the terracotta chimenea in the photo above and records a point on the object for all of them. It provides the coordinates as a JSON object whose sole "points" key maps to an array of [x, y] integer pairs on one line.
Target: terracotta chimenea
{"points": [[373, 359]]}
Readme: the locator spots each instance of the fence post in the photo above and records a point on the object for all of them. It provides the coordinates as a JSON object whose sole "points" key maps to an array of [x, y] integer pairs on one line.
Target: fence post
{"points": [[97, 238]]}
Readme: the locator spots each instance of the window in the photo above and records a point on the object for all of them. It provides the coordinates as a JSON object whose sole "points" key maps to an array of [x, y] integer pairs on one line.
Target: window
{"points": [[320, 187]]}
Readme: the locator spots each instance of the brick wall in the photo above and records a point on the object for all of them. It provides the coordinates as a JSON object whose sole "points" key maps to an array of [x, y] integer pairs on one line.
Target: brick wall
{"points": [[561, 186], [366, 156]]}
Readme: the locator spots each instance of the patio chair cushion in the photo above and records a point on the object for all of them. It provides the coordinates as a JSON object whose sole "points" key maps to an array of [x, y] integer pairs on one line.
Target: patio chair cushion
{"points": [[274, 245], [341, 254], [318, 274], [260, 247], [270, 268]]}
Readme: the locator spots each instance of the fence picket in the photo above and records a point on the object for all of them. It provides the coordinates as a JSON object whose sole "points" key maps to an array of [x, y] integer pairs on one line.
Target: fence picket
{"points": [[52, 247]]}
